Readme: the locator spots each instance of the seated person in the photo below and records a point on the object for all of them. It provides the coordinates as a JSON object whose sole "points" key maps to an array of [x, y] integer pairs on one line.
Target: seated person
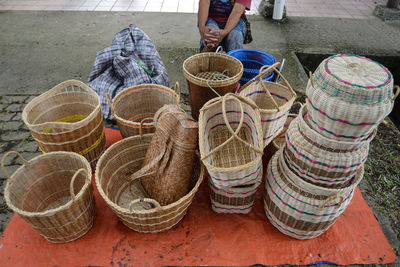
{"points": [[223, 22]]}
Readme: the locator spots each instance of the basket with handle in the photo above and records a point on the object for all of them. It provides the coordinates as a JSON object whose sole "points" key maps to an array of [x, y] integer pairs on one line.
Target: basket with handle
{"points": [[127, 197], [348, 96], [273, 99], [130, 106], [299, 209], [53, 193], [67, 118], [230, 140], [208, 72]]}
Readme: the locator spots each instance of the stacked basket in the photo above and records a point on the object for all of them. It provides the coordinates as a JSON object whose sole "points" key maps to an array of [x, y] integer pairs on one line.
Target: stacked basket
{"points": [[311, 179]]}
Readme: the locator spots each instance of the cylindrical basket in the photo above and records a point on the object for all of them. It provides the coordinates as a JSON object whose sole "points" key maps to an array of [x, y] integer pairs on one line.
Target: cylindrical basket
{"points": [[126, 196], [349, 96], [134, 105], [299, 209], [67, 118], [206, 72], [53, 193], [274, 101], [230, 140]]}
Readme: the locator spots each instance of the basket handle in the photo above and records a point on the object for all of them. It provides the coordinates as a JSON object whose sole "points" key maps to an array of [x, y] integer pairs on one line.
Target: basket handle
{"points": [[157, 205], [284, 80], [396, 93], [71, 185], [311, 77], [269, 94], [332, 198], [264, 71], [297, 103], [110, 102], [178, 90], [3, 160], [141, 125], [219, 49]]}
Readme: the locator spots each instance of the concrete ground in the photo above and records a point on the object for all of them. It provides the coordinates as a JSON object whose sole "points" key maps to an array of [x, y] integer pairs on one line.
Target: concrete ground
{"points": [[41, 49]]}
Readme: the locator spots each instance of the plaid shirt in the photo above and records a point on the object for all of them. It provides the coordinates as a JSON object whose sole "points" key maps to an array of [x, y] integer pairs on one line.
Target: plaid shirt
{"points": [[131, 59]]}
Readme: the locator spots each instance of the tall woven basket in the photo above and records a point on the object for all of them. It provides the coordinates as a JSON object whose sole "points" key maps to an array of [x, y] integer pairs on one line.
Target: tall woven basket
{"points": [[349, 96], [67, 118], [53, 193], [299, 209], [206, 72], [274, 101], [127, 198], [138, 104], [230, 140]]}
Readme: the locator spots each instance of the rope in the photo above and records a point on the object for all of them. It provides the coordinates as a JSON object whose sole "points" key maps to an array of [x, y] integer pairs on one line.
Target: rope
{"points": [[215, 76]]}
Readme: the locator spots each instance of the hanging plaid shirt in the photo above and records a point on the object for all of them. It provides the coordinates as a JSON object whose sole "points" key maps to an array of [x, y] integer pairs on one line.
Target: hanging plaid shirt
{"points": [[131, 59]]}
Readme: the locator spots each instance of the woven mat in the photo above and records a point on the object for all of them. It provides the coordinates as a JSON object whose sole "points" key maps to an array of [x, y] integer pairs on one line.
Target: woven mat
{"points": [[201, 238]]}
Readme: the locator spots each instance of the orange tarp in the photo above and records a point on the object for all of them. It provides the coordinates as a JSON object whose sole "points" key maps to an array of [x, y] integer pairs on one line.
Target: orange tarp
{"points": [[201, 238]]}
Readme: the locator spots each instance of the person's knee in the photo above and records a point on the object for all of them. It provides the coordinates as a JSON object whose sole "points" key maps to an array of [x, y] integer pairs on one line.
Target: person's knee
{"points": [[234, 40]]}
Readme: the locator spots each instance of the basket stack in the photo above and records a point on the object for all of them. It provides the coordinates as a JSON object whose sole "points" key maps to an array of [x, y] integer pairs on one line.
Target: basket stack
{"points": [[231, 145], [311, 179]]}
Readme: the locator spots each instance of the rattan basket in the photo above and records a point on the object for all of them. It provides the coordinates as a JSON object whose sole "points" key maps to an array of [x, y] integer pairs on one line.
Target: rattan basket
{"points": [[67, 118], [127, 198], [210, 70], [230, 140], [135, 105], [274, 101], [53, 193]]}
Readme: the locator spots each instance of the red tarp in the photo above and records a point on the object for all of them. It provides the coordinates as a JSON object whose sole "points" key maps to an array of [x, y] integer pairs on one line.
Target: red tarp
{"points": [[201, 238]]}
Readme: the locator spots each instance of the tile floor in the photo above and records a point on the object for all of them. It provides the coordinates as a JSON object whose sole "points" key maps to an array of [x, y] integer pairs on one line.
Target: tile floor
{"points": [[360, 9]]}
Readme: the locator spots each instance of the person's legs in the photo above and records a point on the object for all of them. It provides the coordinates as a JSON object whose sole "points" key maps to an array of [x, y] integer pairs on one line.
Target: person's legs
{"points": [[211, 23], [234, 40]]}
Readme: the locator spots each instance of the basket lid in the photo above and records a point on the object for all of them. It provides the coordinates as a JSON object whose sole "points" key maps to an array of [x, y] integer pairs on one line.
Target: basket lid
{"points": [[354, 79]]}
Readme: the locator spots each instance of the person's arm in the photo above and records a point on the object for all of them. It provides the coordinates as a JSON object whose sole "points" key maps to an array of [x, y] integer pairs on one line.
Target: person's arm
{"points": [[202, 16]]}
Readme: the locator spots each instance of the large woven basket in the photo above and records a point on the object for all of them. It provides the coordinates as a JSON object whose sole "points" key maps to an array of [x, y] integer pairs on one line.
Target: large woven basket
{"points": [[299, 209], [274, 101], [53, 193], [206, 72], [230, 140], [349, 96], [127, 198], [138, 104], [67, 118]]}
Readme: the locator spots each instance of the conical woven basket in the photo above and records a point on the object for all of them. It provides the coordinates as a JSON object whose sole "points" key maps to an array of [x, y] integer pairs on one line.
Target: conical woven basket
{"points": [[67, 118], [53, 193], [299, 209], [230, 140], [274, 101], [135, 105], [127, 198], [210, 70]]}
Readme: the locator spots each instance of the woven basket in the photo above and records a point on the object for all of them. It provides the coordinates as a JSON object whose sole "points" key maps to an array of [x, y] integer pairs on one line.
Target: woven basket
{"points": [[67, 118], [210, 70], [127, 198], [280, 139], [299, 209], [274, 101], [53, 193], [134, 105], [349, 96], [237, 199], [230, 140]]}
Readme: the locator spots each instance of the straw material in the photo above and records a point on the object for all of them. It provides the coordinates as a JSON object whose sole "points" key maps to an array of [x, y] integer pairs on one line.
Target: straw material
{"points": [[205, 70], [280, 139], [53, 193], [274, 101], [127, 198], [67, 118], [299, 209], [223, 121], [132, 105], [170, 158]]}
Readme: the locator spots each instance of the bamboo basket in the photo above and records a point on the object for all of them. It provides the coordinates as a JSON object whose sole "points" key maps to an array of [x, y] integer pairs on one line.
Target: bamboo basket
{"points": [[230, 140], [274, 101], [279, 141], [134, 105], [126, 196], [53, 193], [299, 209], [206, 72], [67, 118], [349, 96]]}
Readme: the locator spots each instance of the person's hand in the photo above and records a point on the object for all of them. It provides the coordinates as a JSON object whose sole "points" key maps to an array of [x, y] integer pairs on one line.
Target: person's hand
{"points": [[215, 37], [205, 36]]}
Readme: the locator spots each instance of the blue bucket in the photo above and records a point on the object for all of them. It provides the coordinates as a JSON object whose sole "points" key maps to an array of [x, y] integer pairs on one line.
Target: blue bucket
{"points": [[252, 61]]}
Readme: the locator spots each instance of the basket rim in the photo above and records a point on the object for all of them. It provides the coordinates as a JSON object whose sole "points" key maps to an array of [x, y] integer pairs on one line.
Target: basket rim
{"points": [[203, 82], [53, 211], [121, 210]]}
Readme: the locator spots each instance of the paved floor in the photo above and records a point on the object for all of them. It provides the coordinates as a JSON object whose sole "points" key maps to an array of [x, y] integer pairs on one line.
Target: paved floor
{"points": [[358, 9]]}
